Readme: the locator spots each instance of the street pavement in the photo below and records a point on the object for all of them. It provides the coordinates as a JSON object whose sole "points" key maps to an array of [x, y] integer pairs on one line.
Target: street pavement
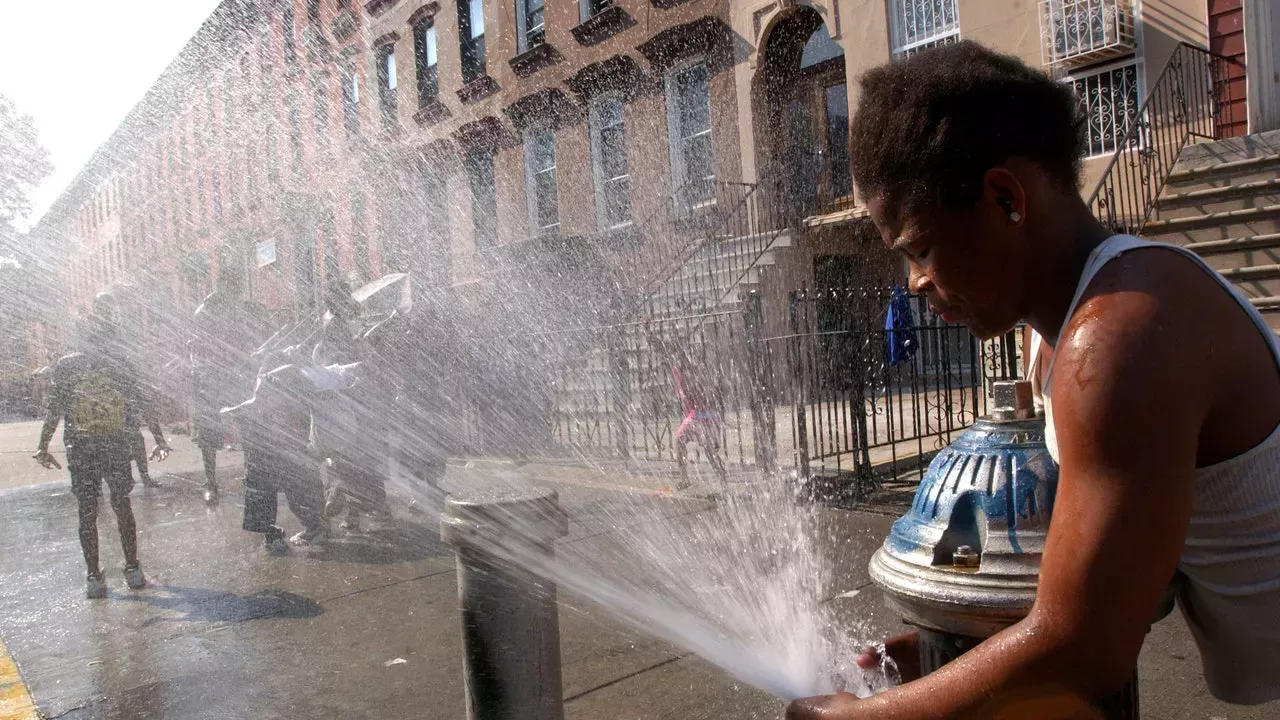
{"points": [[369, 627]]}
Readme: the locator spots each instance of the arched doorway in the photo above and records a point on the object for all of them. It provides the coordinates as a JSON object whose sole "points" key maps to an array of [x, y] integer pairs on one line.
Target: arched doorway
{"points": [[801, 103]]}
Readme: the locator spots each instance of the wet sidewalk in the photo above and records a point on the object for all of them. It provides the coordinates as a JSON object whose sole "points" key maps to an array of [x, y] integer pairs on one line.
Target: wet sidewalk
{"points": [[369, 627]]}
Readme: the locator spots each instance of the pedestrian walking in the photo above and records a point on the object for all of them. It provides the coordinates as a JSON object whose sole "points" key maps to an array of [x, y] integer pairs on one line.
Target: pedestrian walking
{"points": [[96, 395], [274, 425], [224, 338]]}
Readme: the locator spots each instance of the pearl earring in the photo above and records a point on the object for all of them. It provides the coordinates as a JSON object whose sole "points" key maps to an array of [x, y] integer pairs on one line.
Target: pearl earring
{"points": [[1015, 216]]}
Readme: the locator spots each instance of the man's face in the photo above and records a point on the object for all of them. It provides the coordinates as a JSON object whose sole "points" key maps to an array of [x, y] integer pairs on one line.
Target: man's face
{"points": [[968, 264]]}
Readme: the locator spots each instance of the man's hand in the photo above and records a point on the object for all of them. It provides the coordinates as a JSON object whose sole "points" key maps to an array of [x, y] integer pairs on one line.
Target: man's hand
{"points": [[823, 707], [161, 451], [49, 462], [903, 650]]}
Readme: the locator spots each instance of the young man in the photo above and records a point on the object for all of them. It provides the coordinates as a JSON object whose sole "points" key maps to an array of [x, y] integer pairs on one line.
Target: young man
{"points": [[225, 331], [1161, 389], [274, 425], [96, 395], [350, 412]]}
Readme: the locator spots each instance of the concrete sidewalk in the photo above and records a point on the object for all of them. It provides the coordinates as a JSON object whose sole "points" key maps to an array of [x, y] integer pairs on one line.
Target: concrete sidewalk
{"points": [[227, 631]]}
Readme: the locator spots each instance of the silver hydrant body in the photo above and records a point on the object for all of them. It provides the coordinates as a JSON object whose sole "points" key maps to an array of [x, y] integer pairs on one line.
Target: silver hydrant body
{"points": [[510, 621], [964, 563]]}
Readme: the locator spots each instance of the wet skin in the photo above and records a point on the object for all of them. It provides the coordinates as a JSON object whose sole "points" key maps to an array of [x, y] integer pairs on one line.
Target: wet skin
{"points": [[1158, 372]]}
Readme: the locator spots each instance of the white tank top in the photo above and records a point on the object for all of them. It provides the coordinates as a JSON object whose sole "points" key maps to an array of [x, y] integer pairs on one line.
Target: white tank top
{"points": [[1231, 557]]}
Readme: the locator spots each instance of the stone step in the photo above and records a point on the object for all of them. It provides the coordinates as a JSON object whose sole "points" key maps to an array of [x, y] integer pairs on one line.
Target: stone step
{"points": [[1239, 252], [1215, 226], [1270, 309], [1211, 200], [1259, 281], [1224, 173]]}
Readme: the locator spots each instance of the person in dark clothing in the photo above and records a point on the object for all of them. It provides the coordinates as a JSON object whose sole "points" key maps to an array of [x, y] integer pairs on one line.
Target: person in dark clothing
{"points": [[274, 427], [222, 372], [96, 395], [349, 412]]}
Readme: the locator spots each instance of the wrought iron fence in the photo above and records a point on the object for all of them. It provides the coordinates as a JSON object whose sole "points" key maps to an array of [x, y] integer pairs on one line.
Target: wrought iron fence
{"points": [[622, 391], [874, 398], [1195, 97]]}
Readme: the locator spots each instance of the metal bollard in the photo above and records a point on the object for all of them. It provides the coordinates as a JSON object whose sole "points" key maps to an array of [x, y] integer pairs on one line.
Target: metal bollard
{"points": [[510, 625]]}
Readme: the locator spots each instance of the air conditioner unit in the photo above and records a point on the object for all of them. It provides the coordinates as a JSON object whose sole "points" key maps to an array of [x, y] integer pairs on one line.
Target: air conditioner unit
{"points": [[1081, 32]]}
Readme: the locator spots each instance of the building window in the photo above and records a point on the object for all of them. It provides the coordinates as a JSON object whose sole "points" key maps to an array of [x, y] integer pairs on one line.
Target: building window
{"points": [[359, 235], [471, 38], [424, 51], [387, 84], [1108, 98], [839, 168], [689, 123], [329, 240], [351, 98], [540, 179], [295, 136], [530, 22], [484, 198], [588, 9], [216, 192], [609, 158], [320, 114], [273, 165], [919, 24], [290, 36], [201, 209]]}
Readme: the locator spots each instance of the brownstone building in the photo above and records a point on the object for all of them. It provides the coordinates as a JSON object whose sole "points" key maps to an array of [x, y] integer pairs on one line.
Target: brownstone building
{"points": [[539, 161]]}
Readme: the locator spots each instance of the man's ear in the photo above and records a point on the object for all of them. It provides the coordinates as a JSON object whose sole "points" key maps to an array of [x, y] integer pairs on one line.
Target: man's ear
{"points": [[1002, 188]]}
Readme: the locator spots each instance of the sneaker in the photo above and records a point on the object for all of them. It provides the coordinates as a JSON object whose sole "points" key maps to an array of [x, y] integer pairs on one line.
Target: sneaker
{"points": [[95, 586], [351, 524], [308, 537], [335, 501], [211, 494], [273, 541], [149, 482], [134, 578]]}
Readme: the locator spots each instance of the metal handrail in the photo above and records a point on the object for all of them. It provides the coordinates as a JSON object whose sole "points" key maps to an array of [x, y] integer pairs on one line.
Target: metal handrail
{"points": [[1187, 101]]}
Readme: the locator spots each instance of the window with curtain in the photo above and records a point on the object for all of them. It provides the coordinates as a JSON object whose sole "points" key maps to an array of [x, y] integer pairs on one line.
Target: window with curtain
{"points": [[609, 157], [689, 133], [531, 24], [471, 38], [484, 198], [540, 179], [387, 84], [427, 59]]}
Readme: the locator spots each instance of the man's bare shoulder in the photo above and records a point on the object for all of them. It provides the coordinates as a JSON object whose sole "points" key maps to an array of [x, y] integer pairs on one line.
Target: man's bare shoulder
{"points": [[1146, 325]]}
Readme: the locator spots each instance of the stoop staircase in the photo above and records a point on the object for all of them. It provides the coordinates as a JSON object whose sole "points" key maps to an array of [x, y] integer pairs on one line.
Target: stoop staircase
{"points": [[1222, 200]]}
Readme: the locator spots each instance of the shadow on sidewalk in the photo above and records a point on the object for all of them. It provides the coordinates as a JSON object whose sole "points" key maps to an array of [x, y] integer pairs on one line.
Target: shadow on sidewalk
{"points": [[187, 604]]}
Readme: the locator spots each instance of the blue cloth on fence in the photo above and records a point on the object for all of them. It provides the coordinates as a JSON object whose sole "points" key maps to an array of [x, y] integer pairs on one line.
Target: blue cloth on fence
{"points": [[901, 342]]}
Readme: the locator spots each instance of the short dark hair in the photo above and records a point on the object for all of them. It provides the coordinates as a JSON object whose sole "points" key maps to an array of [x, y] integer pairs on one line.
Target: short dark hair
{"points": [[927, 128]]}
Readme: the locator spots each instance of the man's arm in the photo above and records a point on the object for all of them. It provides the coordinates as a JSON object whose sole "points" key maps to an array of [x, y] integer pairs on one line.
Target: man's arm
{"points": [[1130, 388], [51, 418]]}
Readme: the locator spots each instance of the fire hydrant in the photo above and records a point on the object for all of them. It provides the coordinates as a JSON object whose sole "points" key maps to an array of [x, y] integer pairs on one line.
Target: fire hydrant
{"points": [[964, 562]]}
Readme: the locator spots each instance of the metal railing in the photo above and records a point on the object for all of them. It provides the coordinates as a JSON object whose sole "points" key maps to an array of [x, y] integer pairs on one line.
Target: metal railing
{"points": [[873, 400], [1193, 99], [708, 249], [1082, 32]]}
